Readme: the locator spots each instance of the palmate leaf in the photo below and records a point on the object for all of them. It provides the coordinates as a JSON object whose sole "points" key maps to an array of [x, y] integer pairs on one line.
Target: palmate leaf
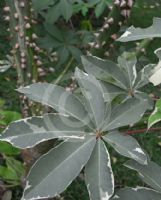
{"points": [[98, 173], [119, 79], [58, 169], [26, 133], [126, 145], [58, 98], [155, 117], [137, 193], [64, 42], [90, 119], [54, 9], [133, 33], [150, 174]]}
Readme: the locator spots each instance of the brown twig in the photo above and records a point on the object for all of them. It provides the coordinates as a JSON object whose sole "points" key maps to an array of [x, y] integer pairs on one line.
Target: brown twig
{"points": [[130, 132]]}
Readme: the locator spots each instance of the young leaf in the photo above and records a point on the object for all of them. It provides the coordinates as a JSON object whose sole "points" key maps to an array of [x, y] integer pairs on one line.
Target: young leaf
{"points": [[150, 174], [59, 167], [93, 92], [133, 33], [137, 193], [155, 117], [98, 173], [58, 98], [28, 132], [126, 146]]}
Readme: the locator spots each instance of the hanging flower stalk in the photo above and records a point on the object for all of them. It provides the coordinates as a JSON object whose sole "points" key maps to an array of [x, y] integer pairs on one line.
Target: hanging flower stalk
{"points": [[19, 15]]}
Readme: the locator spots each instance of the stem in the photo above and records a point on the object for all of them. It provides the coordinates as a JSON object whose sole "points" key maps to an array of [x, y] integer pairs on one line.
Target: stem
{"points": [[130, 132], [63, 72]]}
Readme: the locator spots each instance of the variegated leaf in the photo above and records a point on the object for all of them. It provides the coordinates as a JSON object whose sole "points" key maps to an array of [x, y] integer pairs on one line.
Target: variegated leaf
{"points": [[155, 117], [54, 171], [58, 98], [128, 64], [139, 193], [93, 93], [155, 76], [105, 70], [133, 33], [28, 132], [150, 174], [143, 76], [128, 112], [126, 145], [99, 175]]}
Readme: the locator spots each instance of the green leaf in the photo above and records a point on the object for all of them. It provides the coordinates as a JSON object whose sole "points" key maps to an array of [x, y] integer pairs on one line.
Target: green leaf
{"points": [[137, 193], [66, 9], [100, 8], [155, 117], [49, 43], [64, 54], [54, 31], [41, 4], [98, 173], [13, 172], [76, 53], [8, 149], [104, 70], [53, 14], [93, 92], [150, 174], [28, 132], [128, 112], [8, 174], [58, 98], [133, 33], [126, 145], [59, 167], [9, 116], [16, 166]]}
